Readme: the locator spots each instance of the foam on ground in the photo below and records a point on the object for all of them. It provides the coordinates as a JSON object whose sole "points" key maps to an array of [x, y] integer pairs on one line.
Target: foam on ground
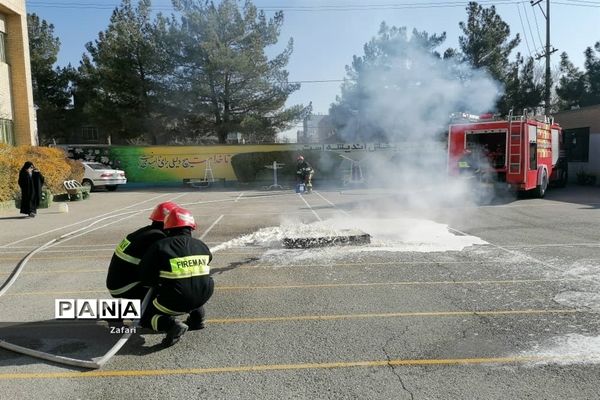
{"points": [[568, 349], [388, 235]]}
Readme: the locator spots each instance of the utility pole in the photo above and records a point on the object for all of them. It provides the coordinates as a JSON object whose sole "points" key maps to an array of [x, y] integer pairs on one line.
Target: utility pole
{"points": [[546, 54]]}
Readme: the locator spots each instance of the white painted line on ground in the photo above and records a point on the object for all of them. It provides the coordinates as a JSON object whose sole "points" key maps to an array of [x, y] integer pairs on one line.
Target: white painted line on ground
{"points": [[330, 203], [62, 250], [239, 197], [210, 227], [545, 264], [246, 197], [68, 236], [310, 208], [86, 230], [82, 221], [261, 214], [27, 248]]}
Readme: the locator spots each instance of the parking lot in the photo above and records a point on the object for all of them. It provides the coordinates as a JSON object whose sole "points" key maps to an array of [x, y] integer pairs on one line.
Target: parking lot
{"points": [[465, 302]]}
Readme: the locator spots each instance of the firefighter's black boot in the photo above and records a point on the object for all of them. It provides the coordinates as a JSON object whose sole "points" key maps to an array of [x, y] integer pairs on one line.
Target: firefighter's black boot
{"points": [[196, 319], [174, 333]]}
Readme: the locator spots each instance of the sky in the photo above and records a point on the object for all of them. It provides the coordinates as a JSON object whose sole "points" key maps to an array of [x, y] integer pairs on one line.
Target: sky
{"points": [[328, 33]]}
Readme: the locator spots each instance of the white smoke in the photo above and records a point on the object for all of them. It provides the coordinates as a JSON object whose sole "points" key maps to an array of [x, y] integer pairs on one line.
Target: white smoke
{"points": [[412, 97], [409, 99]]}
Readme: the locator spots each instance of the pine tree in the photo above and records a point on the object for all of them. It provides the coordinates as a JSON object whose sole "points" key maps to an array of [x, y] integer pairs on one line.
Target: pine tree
{"points": [[387, 70], [486, 42], [51, 85], [226, 82], [123, 78], [524, 89], [578, 88]]}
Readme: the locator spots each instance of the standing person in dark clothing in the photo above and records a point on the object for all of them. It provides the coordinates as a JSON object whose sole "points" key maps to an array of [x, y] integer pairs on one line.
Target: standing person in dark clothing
{"points": [[123, 279], [31, 181], [304, 172], [469, 164], [177, 267]]}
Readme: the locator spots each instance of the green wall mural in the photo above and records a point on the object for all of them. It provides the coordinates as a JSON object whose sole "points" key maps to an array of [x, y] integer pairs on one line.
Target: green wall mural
{"points": [[171, 164]]}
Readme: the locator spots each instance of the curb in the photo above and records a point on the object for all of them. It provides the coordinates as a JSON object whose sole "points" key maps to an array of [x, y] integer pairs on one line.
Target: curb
{"points": [[7, 206]]}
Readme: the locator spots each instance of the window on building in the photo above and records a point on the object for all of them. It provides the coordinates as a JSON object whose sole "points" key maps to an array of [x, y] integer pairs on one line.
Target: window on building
{"points": [[577, 144], [6, 132], [2, 47]]}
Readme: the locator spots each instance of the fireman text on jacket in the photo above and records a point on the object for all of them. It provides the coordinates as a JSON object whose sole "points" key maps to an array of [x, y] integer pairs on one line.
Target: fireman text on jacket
{"points": [[186, 267]]}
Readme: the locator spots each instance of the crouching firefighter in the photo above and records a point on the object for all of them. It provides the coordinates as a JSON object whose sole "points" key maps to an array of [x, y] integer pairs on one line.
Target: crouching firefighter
{"points": [[304, 173], [123, 279], [177, 267]]}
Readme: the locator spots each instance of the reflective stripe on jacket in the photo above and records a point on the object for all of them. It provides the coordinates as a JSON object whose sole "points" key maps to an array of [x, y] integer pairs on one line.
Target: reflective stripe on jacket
{"points": [[187, 267], [123, 272], [179, 266]]}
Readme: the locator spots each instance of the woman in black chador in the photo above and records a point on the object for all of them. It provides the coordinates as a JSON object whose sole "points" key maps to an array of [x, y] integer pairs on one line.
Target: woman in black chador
{"points": [[30, 182]]}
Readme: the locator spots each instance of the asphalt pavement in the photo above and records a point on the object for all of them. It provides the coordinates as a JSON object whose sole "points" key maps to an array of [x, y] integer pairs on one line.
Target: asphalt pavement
{"points": [[463, 301]]}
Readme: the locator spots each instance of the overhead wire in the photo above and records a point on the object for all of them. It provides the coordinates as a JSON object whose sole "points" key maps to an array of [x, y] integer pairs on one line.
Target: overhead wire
{"points": [[579, 3], [538, 27], [315, 8], [319, 7], [311, 8], [524, 31], [535, 46], [349, 7]]}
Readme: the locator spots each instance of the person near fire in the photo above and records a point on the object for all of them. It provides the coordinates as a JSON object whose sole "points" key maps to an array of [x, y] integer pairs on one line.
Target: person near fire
{"points": [[304, 173], [177, 268], [469, 163], [123, 278]]}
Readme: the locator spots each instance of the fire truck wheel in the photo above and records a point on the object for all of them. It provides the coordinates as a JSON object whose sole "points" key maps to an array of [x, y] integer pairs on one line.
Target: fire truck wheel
{"points": [[541, 188]]}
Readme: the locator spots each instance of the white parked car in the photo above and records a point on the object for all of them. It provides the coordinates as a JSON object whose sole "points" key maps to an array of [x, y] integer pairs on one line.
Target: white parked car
{"points": [[97, 174]]}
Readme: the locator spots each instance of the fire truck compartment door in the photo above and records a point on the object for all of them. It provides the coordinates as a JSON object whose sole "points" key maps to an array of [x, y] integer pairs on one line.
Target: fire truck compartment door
{"points": [[532, 134], [555, 146]]}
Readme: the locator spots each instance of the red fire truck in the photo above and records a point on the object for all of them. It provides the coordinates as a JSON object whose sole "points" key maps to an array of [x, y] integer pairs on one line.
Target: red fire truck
{"points": [[525, 152]]}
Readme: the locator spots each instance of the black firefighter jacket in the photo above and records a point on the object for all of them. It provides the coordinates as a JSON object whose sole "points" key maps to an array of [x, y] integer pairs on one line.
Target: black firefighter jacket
{"points": [[303, 170], [178, 267], [124, 270]]}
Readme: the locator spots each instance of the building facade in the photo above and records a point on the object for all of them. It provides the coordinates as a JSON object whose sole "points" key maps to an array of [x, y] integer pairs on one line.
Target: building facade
{"points": [[17, 113], [315, 129], [582, 140]]}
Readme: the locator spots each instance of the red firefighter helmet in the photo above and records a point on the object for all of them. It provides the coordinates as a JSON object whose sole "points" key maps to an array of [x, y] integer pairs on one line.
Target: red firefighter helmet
{"points": [[161, 210], [300, 158], [179, 218]]}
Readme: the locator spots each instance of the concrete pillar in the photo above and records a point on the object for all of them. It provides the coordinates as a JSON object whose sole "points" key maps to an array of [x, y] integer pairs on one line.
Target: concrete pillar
{"points": [[19, 71]]}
